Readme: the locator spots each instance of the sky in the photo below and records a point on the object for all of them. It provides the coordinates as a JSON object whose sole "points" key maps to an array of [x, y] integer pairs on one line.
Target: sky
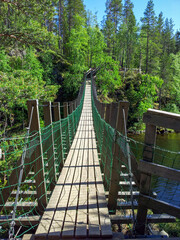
{"points": [[170, 9]]}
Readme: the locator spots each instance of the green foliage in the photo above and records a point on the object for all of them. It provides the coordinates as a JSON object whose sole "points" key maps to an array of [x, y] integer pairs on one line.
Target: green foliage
{"points": [[147, 92], [142, 93], [96, 47], [21, 79], [77, 56], [173, 229], [108, 77]]}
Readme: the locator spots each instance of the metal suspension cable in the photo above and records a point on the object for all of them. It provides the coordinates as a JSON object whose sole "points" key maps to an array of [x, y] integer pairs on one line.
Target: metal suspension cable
{"points": [[12, 224], [129, 166]]}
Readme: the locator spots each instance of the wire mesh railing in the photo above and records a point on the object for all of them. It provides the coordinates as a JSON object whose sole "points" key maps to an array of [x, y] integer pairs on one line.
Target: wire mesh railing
{"points": [[114, 146], [44, 156]]}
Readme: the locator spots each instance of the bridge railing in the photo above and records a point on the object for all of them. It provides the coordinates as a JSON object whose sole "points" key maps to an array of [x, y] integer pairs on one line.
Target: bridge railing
{"points": [[31, 164], [158, 164], [116, 158], [117, 151]]}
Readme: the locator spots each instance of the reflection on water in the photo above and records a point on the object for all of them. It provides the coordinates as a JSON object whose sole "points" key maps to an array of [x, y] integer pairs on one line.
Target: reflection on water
{"points": [[167, 190]]}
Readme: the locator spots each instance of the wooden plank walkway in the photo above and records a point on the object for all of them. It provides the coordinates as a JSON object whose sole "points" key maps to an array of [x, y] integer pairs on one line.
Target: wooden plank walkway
{"points": [[78, 207]]}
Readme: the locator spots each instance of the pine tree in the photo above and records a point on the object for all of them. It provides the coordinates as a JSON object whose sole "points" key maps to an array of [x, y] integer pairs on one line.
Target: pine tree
{"points": [[111, 25], [177, 38], [148, 26], [129, 23]]}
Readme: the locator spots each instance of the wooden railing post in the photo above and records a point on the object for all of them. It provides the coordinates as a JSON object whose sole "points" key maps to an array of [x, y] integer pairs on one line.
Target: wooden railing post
{"points": [[107, 160], [70, 107], [145, 179], [57, 118], [102, 110], [65, 110], [116, 167], [113, 114], [107, 113], [37, 156], [50, 145]]}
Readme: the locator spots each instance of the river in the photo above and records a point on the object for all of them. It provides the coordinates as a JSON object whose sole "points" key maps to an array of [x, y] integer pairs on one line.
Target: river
{"points": [[167, 153]]}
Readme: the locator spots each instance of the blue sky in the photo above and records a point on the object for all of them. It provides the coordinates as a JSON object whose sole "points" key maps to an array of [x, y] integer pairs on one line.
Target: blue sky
{"points": [[170, 9]]}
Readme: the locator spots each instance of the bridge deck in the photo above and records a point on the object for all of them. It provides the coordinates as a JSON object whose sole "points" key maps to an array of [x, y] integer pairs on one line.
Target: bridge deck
{"points": [[77, 207]]}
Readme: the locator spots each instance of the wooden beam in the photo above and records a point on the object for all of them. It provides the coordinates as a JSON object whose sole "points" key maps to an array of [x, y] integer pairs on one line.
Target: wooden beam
{"points": [[145, 180], [155, 204], [125, 194], [58, 135], [153, 218], [107, 113], [26, 206], [71, 107], [162, 119], [113, 114], [102, 110], [115, 175], [159, 170], [37, 156], [50, 145], [65, 110]]}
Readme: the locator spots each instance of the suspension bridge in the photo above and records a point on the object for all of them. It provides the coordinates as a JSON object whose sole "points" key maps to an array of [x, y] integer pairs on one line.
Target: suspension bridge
{"points": [[78, 176]]}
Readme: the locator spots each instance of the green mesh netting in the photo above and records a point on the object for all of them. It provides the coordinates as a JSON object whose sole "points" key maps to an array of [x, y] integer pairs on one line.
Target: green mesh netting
{"points": [[55, 141]]}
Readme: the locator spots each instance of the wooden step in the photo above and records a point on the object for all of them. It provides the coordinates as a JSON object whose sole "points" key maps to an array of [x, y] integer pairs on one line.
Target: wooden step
{"points": [[154, 218], [30, 182], [125, 194], [27, 193], [23, 205], [125, 185], [26, 221], [126, 205], [28, 237]]}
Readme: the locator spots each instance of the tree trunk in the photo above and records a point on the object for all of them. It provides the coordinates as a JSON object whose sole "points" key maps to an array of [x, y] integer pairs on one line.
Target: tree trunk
{"points": [[147, 54], [59, 26]]}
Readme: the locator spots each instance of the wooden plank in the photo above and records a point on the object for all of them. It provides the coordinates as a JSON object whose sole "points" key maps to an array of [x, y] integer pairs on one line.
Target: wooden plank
{"points": [[70, 218], [125, 194], [159, 170], [50, 145], [26, 221], [155, 204], [45, 223], [105, 223], [162, 119], [27, 194], [93, 220], [21, 205], [121, 205], [59, 216], [28, 237], [151, 218], [81, 223]]}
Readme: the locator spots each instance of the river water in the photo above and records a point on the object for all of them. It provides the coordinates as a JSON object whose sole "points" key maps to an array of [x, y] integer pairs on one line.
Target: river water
{"points": [[167, 153]]}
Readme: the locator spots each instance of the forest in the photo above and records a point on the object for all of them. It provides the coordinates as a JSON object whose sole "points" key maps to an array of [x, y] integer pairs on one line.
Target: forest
{"points": [[47, 46]]}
